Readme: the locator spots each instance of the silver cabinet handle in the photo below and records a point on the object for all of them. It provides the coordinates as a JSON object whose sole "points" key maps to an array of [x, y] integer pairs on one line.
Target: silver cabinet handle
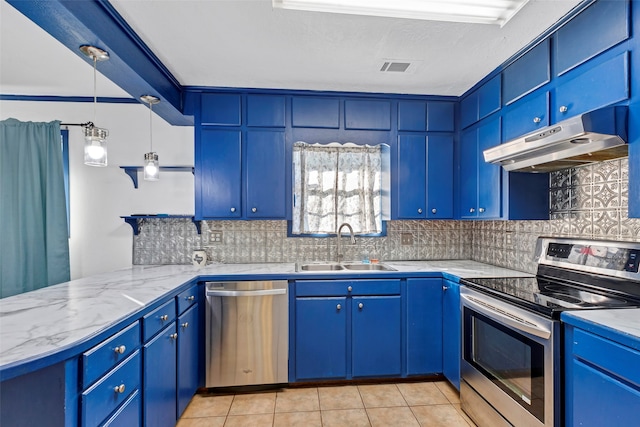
{"points": [[434, 210], [472, 210], [537, 119], [564, 109], [173, 336], [338, 307], [444, 288], [481, 210], [120, 349], [254, 210], [349, 288], [233, 209], [256, 293], [419, 210], [360, 305], [191, 298], [185, 325], [119, 388], [164, 317]]}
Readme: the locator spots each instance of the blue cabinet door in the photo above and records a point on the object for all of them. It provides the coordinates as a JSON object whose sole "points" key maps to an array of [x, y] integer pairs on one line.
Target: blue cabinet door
{"points": [[321, 338], [451, 327], [412, 116], [526, 116], [528, 73], [440, 116], [489, 97], [160, 379], [221, 109], [188, 368], [608, 83], [266, 173], [218, 174], [129, 414], [469, 173], [424, 326], [376, 336], [410, 197], [367, 114], [440, 169], [266, 111], [489, 175]]}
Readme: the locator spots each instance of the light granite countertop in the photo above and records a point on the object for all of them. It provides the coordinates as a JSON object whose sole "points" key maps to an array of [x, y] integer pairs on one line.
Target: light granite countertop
{"points": [[43, 325], [620, 325]]}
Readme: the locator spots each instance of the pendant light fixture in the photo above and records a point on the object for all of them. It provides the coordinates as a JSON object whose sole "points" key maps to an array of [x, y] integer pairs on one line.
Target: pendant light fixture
{"points": [[151, 166], [95, 144]]}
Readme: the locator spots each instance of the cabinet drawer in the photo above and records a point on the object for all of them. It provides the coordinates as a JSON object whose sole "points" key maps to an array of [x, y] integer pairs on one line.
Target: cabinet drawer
{"points": [[104, 397], [187, 298], [617, 359], [109, 353], [158, 319], [347, 287], [128, 414]]}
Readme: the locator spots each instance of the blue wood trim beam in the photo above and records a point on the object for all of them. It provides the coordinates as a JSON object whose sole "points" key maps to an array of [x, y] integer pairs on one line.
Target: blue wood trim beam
{"points": [[131, 65]]}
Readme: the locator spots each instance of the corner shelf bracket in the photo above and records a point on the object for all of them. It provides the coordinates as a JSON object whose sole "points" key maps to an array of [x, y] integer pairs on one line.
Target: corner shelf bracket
{"points": [[135, 220], [132, 171]]}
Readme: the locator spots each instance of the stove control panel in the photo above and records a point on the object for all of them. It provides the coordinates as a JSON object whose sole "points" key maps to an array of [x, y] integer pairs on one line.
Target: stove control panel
{"points": [[621, 259]]}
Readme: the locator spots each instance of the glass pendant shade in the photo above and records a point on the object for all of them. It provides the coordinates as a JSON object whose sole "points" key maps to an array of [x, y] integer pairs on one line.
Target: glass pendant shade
{"points": [[151, 167], [95, 146]]}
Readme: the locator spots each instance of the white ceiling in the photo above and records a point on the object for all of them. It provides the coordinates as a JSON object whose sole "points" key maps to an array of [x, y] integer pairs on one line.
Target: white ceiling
{"points": [[246, 43]]}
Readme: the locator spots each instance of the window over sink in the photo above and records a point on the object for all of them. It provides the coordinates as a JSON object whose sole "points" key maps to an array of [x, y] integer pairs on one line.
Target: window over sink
{"points": [[337, 183]]}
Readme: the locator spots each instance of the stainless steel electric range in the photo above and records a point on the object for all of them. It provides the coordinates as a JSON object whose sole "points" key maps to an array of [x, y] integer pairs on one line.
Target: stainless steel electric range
{"points": [[511, 341]]}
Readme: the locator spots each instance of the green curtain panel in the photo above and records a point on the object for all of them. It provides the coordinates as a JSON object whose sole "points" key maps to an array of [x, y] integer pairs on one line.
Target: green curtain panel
{"points": [[34, 246]]}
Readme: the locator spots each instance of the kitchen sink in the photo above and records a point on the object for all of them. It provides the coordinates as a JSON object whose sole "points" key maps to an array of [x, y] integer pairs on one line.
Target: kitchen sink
{"points": [[315, 266]]}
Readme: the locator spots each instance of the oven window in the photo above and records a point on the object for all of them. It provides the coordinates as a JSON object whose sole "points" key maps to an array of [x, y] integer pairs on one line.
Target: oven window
{"points": [[510, 360]]}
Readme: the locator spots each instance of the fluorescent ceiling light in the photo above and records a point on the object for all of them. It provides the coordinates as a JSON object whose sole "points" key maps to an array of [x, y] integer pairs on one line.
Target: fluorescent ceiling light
{"points": [[496, 12]]}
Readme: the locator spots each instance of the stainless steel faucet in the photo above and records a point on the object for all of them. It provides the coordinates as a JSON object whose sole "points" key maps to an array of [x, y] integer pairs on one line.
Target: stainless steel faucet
{"points": [[339, 254]]}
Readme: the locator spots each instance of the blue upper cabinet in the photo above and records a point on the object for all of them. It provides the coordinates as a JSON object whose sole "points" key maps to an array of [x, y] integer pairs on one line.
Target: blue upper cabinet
{"points": [[440, 116], [528, 73], [314, 112], [266, 172], [482, 102], [607, 83], [266, 111], [221, 109], [525, 116], [599, 27], [367, 114], [420, 116], [412, 116]]}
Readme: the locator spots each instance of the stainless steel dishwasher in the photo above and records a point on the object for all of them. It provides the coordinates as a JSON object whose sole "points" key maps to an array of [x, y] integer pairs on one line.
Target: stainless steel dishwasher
{"points": [[247, 333]]}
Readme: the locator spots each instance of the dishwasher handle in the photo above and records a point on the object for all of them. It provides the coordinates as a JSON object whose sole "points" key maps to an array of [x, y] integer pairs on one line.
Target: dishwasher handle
{"points": [[256, 293]]}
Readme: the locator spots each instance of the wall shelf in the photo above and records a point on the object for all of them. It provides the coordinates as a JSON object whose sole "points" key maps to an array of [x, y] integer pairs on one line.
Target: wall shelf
{"points": [[135, 220], [132, 171]]}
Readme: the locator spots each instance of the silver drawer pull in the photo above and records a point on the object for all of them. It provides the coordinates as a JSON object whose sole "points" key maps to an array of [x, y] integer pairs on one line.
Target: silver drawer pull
{"points": [[173, 336], [254, 210], [191, 298], [233, 209], [164, 317], [434, 210], [119, 388], [349, 288], [361, 305], [185, 325], [419, 210], [481, 210], [338, 307], [120, 349]]}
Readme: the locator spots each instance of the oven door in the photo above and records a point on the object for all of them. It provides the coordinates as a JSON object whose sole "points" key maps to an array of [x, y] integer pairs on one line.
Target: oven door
{"points": [[507, 362]]}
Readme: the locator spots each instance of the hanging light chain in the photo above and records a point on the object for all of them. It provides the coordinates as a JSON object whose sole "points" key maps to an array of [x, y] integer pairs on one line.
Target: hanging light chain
{"points": [[151, 127], [95, 85]]}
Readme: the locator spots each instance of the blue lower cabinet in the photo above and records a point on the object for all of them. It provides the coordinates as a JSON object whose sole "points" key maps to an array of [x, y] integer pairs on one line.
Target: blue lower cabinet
{"points": [[602, 381], [424, 326], [321, 338], [160, 379], [451, 327], [188, 367], [376, 336]]}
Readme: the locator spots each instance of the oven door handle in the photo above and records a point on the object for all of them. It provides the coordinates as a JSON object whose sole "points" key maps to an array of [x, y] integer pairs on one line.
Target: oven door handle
{"points": [[509, 319]]}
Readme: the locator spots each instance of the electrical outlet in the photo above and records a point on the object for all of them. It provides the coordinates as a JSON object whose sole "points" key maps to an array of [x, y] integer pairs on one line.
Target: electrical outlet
{"points": [[216, 236], [406, 239]]}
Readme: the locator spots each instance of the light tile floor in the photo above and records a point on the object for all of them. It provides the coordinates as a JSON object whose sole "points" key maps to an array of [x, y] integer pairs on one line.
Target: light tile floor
{"points": [[433, 404]]}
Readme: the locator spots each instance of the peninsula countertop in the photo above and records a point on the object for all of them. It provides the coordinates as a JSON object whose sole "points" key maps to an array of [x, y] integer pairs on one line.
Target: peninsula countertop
{"points": [[50, 321]]}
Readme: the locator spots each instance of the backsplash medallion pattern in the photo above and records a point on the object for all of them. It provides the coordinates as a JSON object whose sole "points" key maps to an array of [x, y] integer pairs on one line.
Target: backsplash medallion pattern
{"points": [[589, 201]]}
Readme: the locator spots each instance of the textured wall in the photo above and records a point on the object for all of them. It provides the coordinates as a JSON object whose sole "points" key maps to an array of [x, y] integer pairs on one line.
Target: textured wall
{"points": [[590, 201]]}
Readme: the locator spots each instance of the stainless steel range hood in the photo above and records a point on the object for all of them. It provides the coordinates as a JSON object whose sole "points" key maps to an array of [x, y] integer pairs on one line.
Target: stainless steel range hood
{"points": [[591, 137]]}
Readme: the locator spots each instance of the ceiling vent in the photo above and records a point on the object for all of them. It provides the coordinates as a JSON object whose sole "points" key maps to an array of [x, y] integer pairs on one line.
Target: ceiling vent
{"points": [[399, 66]]}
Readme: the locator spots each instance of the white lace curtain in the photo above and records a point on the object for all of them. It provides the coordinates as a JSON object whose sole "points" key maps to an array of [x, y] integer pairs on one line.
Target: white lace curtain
{"points": [[336, 183]]}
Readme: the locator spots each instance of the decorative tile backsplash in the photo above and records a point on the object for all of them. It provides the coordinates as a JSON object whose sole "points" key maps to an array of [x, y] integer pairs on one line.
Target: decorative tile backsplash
{"points": [[588, 201]]}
